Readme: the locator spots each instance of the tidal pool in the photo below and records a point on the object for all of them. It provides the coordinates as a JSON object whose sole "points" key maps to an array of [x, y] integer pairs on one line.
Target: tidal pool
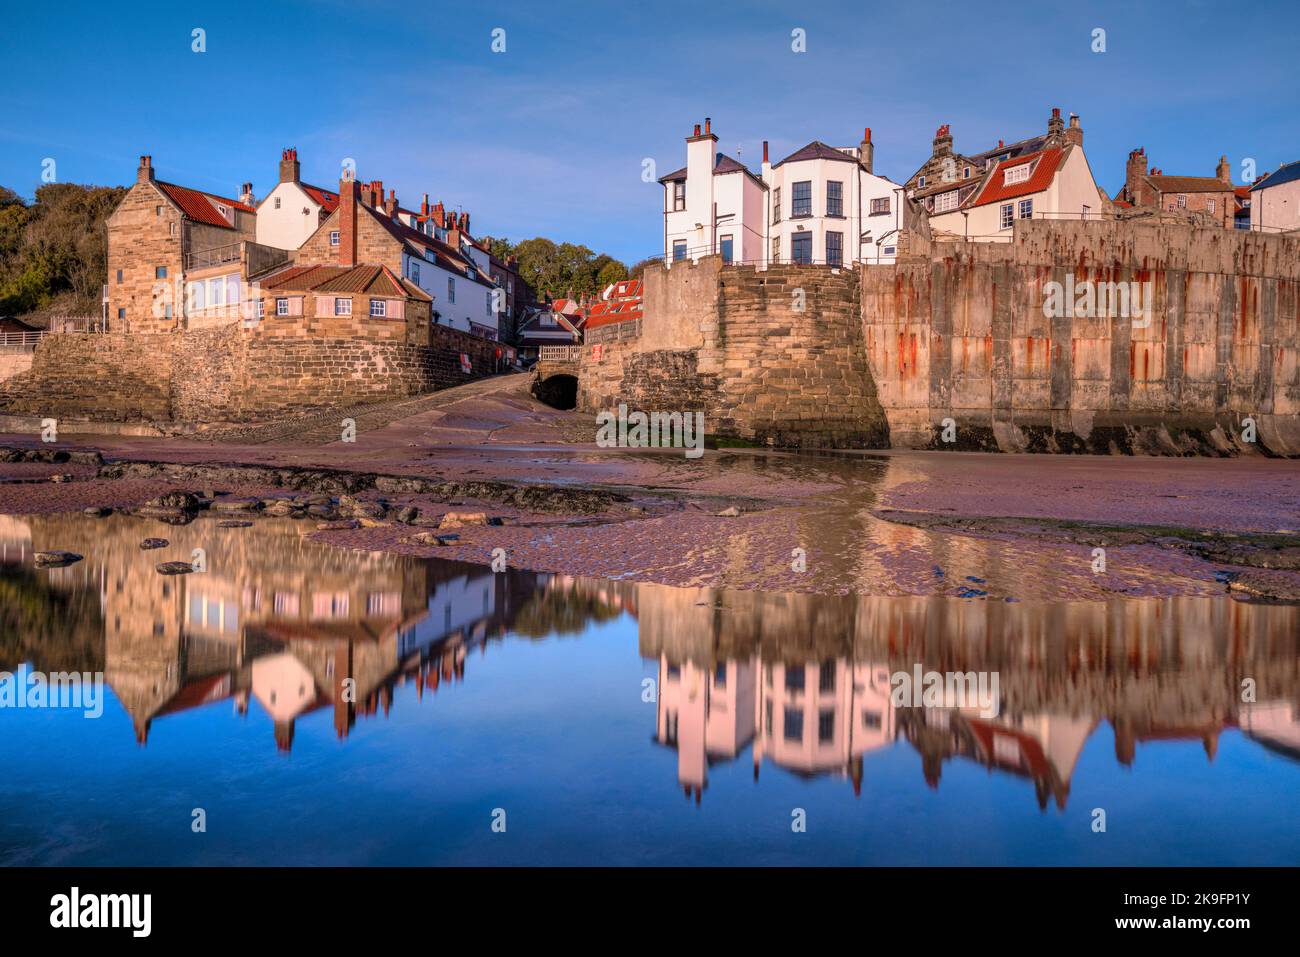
{"points": [[315, 705]]}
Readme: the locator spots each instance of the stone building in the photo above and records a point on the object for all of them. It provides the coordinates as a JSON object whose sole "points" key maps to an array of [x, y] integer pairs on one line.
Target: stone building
{"points": [[979, 196], [359, 301], [366, 228], [1214, 197], [176, 254]]}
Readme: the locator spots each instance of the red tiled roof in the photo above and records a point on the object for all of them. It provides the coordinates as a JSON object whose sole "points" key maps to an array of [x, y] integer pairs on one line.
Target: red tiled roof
{"points": [[1189, 184], [365, 278], [995, 188], [449, 259], [1123, 203], [200, 206], [623, 290], [322, 197]]}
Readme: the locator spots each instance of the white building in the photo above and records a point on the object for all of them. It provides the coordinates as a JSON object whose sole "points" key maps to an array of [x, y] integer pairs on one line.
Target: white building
{"points": [[821, 204], [827, 206], [1275, 200], [294, 210]]}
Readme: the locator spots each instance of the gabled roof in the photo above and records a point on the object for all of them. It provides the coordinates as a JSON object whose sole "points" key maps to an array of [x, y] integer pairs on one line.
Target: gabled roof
{"points": [[996, 189], [722, 163], [417, 242], [327, 200], [1189, 184], [622, 290], [816, 150], [201, 207], [376, 280], [1285, 174]]}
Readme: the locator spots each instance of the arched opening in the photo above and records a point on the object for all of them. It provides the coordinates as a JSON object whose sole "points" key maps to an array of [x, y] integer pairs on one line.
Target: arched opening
{"points": [[558, 391]]}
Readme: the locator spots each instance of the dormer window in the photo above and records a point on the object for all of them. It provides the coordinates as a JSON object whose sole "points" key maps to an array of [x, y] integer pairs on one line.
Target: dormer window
{"points": [[920, 182], [221, 209], [945, 201], [1017, 174]]}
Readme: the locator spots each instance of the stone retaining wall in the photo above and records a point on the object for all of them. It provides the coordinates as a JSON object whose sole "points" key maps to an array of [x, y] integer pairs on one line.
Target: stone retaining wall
{"points": [[774, 357], [231, 374]]}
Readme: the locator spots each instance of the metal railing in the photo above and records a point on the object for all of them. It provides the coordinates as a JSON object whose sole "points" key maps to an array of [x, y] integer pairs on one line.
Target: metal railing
{"points": [[21, 341], [559, 353], [216, 256], [614, 331]]}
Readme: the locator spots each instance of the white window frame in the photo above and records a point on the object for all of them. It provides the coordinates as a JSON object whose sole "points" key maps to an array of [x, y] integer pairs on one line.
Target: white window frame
{"points": [[1182, 200], [282, 306], [946, 196], [334, 237], [1006, 215], [342, 305], [679, 195], [378, 309], [451, 289], [1025, 208], [1017, 174]]}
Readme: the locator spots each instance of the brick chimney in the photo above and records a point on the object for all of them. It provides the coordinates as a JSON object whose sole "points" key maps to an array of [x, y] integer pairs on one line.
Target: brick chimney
{"points": [[145, 173], [348, 198], [1074, 132], [465, 223], [290, 169], [942, 141], [424, 205], [1056, 125], [866, 152], [1134, 172], [246, 195], [390, 205], [1223, 171]]}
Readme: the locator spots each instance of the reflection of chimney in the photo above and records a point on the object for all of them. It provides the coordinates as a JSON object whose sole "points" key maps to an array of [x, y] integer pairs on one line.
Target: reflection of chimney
{"points": [[290, 169], [348, 220], [866, 152], [145, 173]]}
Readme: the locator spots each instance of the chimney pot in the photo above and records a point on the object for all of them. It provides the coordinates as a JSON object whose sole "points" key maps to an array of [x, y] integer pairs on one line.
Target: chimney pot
{"points": [[697, 129], [764, 151], [708, 125], [866, 135]]}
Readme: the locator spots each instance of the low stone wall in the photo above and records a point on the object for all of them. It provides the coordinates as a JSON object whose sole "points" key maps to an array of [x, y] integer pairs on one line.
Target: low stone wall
{"points": [[774, 357], [231, 374], [13, 363]]}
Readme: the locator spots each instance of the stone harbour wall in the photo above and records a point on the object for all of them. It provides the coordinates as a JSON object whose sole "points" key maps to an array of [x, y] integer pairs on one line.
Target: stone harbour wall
{"points": [[959, 331], [231, 374], [774, 357]]}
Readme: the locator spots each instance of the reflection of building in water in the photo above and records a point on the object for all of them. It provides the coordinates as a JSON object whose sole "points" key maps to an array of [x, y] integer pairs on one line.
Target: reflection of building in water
{"points": [[815, 718], [1275, 725], [706, 715], [1043, 748], [819, 671], [809, 719], [278, 619]]}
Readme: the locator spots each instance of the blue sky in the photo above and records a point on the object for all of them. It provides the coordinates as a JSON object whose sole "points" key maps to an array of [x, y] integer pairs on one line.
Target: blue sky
{"points": [[549, 137]]}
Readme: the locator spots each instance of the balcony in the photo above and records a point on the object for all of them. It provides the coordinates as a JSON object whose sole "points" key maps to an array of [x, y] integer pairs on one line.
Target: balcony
{"points": [[253, 258]]}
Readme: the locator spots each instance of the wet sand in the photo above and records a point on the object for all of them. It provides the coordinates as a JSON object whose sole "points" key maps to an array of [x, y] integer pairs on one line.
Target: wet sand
{"points": [[886, 523]]}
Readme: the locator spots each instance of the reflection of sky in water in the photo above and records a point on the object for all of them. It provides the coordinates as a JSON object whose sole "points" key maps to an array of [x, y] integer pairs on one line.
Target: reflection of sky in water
{"points": [[454, 720]]}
